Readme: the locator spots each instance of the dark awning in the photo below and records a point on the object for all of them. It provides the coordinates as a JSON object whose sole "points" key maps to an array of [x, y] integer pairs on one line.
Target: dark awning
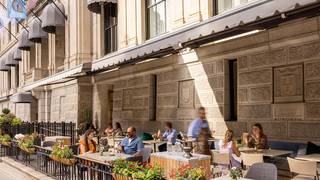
{"points": [[10, 61], [3, 66], [24, 43], [23, 97], [52, 17], [229, 23], [95, 5], [36, 33], [17, 54]]}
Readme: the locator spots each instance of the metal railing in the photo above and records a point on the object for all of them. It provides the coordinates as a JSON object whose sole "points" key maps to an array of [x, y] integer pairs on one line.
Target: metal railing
{"points": [[83, 169], [44, 128]]}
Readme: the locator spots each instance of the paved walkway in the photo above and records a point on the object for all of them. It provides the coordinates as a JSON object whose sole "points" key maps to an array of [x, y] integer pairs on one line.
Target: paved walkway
{"points": [[13, 170], [8, 172]]}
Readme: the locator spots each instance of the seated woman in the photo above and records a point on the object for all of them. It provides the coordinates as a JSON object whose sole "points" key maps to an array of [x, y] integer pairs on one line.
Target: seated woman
{"points": [[87, 144], [258, 139], [227, 145], [109, 131], [169, 134], [118, 131]]}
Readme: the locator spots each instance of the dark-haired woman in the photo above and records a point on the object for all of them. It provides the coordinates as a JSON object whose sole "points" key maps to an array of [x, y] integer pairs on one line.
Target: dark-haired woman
{"points": [[257, 139], [87, 144]]}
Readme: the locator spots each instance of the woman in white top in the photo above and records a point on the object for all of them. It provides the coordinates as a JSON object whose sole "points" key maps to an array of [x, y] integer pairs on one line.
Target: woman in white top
{"points": [[229, 146]]}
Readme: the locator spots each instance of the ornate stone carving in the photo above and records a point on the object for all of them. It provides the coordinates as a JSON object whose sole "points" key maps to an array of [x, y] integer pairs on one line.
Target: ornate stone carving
{"points": [[186, 94], [127, 99], [288, 84]]}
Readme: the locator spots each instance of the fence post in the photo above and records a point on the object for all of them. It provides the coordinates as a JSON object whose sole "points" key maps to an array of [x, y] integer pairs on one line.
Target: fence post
{"points": [[63, 128]]}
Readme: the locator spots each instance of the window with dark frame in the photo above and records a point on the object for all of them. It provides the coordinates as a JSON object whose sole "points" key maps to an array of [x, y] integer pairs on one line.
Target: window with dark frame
{"points": [[9, 79], [156, 17], [110, 28], [17, 76], [153, 112], [233, 86]]}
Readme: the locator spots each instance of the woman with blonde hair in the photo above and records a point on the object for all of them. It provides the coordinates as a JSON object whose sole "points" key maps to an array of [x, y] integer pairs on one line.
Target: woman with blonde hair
{"points": [[227, 145]]}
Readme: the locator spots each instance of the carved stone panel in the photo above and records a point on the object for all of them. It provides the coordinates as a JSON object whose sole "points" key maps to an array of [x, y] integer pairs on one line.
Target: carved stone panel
{"points": [[288, 84], [127, 99], [186, 94]]}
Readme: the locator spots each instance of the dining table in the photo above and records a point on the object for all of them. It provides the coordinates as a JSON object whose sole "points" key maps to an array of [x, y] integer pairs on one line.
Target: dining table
{"points": [[106, 157], [309, 157], [154, 143], [265, 152]]}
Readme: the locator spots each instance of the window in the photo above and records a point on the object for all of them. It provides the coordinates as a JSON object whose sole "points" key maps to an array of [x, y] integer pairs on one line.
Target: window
{"points": [[9, 31], [17, 76], [233, 89], [110, 27], [9, 80], [156, 17], [221, 6]]}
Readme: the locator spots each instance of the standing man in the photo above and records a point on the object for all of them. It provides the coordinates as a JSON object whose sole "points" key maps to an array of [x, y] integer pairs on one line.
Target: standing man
{"points": [[199, 123], [132, 144]]}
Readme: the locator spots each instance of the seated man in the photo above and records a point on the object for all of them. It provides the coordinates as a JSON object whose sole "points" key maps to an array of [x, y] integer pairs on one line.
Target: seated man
{"points": [[131, 144]]}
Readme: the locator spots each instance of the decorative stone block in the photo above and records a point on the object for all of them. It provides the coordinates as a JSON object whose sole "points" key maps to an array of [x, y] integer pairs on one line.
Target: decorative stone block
{"points": [[304, 130], [242, 62], [242, 95], [312, 91], [312, 70], [305, 51], [254, 111], [258, 94], [288, 84], [127, 99], [312, 110], [186, 94], [166, 113], [167, 101], [186, 113], [255, 77], [288, 111], [167, 88]]}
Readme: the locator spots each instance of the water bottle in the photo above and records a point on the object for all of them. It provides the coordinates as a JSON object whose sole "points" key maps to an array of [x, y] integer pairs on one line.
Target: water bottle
{"points": [[169, 146]]}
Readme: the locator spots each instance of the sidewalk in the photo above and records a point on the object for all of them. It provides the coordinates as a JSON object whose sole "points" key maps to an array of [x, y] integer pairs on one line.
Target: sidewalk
{"points": [[12, 170]]}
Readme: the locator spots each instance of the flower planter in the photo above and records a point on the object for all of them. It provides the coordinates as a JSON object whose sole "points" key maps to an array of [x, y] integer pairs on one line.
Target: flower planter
{"points": [[65, 161], [28, 150], [6, 143], [121, 177]]}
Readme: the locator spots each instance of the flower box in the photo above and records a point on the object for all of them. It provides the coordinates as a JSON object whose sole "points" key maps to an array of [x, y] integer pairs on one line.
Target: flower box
{"points": [[28, 150], [6, 143], [121, 177], [65, 161]]}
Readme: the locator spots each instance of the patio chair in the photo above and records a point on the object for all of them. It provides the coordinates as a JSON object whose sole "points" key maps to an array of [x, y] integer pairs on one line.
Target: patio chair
{"points": [[262, 171], [146, 154], [220, 162], [303, 169], [249, 159]]}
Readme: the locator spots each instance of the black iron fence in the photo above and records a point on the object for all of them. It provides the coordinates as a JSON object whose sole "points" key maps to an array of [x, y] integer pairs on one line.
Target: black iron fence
{"points": [[44, 128], [82, 169]]}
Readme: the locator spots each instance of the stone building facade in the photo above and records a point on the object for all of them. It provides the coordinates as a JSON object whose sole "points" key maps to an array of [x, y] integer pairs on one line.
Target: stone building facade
{"points": [[270, 75]]}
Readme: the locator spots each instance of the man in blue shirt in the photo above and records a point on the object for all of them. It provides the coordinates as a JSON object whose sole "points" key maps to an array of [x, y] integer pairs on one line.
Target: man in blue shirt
{"points": [[199, 123], [132, 144]]}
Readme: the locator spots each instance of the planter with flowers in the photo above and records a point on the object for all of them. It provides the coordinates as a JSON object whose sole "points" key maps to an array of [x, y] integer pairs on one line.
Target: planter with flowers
{"points": [[128, 170], [26, 144], [235, 173], [187, 172], [63, 154], [5, 140]]}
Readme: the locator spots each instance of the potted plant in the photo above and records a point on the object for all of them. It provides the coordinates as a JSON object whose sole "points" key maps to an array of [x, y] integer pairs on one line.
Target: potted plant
{"points": [[235, 173], [5, 140], [187, 172], [63, 154], [27, 144], [149, 172], [128, 170]]}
